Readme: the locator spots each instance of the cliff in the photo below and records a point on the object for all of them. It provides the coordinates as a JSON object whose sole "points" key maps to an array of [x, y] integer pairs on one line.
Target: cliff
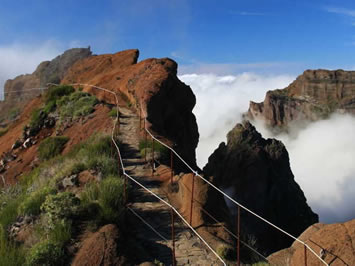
{"points": [[312, 96], [151, 83], [258, 171]]}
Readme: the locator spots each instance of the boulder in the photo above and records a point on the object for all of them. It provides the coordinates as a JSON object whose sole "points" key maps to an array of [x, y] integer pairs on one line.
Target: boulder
{"points": [[332, 242], [101, 248], [70, 181], [27, 143], [256, 172]]}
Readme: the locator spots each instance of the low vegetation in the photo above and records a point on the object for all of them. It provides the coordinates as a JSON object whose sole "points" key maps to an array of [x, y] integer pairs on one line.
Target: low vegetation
{"points": [[76, 104], [51, 147], [67, 102], [59, 215]]}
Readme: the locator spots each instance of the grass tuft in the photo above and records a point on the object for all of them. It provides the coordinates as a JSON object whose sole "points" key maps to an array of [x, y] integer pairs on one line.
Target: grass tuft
{"points": [[51, 147]]}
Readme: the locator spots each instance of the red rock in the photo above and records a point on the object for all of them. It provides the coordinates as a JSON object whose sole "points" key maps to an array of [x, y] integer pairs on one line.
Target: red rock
{"points": [[334, 241], [100, 249]]}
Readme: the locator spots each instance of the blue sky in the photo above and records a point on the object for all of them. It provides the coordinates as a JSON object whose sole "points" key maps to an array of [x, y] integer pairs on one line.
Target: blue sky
{"points": [[217, 36]]}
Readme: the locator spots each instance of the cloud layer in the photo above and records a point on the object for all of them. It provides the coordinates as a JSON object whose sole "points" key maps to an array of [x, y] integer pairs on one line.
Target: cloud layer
{"points": [[322, 160], [221, 101], [321, 153], [19, 59]]}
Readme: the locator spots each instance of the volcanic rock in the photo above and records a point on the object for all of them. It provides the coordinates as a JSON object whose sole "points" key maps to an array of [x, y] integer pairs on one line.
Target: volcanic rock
{"points": [[312, 96], [332, 242], [151, 84], [257, 170]]}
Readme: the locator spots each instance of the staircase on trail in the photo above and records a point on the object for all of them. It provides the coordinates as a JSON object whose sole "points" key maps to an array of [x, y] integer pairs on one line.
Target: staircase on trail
{"points": [[189, 249]]}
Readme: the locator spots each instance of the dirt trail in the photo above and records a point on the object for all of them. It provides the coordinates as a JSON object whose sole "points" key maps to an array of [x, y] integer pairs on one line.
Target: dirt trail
{"points": [[189, 248]]}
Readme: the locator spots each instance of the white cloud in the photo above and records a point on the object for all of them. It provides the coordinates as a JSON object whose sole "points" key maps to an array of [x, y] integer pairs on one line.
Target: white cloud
{"points": [[248, 13], [234, 68], [321, 154], [221, 101], [322, 160], [17, 59], [341, 11]]}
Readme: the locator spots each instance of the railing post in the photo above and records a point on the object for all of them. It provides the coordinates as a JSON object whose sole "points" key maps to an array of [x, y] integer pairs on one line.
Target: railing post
{"points": [[146, 144], [171, 166], [238, 236], [152, 157], [173, 235], [125, 191], [140, 117], [305, 255], [192, 198]]}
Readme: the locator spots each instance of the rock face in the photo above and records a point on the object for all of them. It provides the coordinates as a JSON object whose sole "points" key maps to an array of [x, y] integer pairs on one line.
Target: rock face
{"points": [[151, 84], [258, 172], [17, 90], [333, 242], [312, 96]]}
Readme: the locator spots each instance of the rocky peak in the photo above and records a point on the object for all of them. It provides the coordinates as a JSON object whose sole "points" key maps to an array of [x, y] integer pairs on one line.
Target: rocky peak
{"points": [[258, 171], [152, 84], [312, 96]]}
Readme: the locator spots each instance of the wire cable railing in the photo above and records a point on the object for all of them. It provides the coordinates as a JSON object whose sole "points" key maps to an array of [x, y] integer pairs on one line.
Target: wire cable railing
{"points": [[195, 172], [136, 181]]}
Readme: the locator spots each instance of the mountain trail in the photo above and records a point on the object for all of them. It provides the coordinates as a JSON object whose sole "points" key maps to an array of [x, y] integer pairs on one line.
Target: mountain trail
{"points": [[189, 249]]}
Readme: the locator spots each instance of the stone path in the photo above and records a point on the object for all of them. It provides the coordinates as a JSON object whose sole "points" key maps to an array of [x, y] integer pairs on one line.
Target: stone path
{"points": [[190, 250]]}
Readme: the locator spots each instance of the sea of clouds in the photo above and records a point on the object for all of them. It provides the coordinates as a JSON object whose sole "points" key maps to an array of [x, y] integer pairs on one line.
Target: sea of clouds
{"points": [[322, 154]]}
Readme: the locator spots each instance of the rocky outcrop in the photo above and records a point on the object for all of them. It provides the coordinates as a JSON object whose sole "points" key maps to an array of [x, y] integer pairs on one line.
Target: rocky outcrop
{"points": [[258, 172], [23, 88], [334, 243], [312, 96], [151, 83]]}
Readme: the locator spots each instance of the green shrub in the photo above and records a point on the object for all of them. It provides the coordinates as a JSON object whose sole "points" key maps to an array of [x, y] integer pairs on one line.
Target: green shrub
{"points": [[8, 214], [32, 204], [77, 95], [76, 104], [37, 118], [63, 100], [104, 164], [51, 147], [108, 195], [49, 107], [45, 253], [61, 232], [60, 207], [78, 167], [111, 192], [54, 93], [90, 193]]}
